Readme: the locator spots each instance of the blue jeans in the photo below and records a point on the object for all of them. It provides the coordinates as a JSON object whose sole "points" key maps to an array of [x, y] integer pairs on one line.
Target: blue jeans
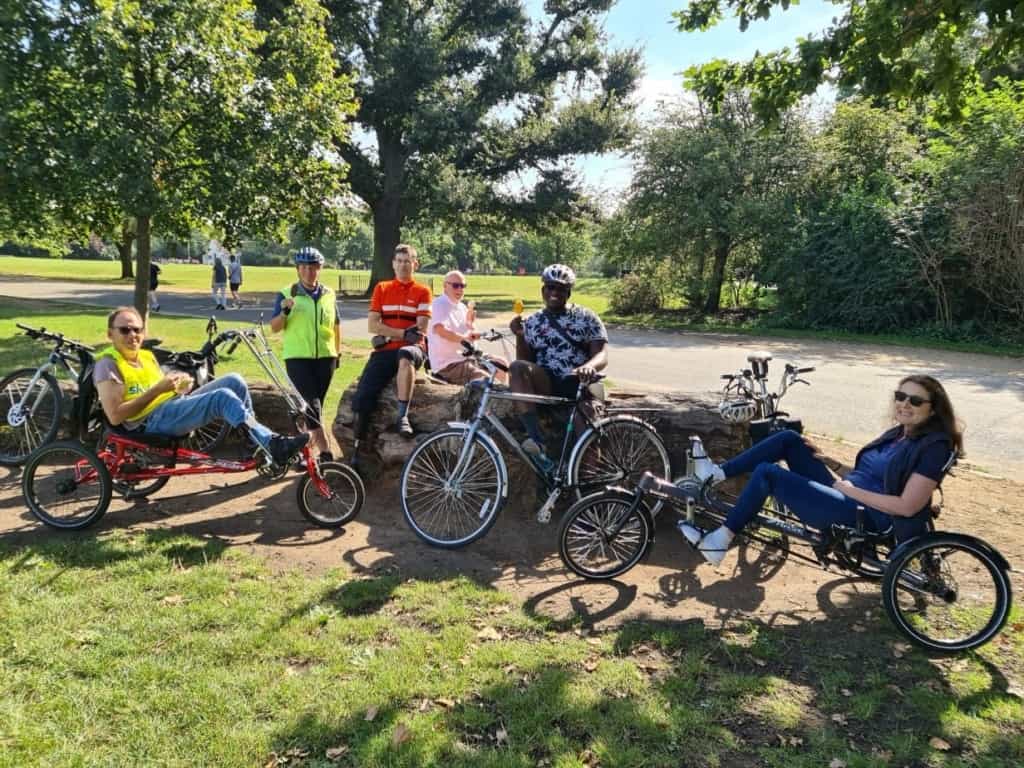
{"points": [[806, 488], [224, 398]]}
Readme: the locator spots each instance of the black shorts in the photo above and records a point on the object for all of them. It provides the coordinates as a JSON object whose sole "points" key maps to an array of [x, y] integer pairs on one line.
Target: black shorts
{"points": [[379, 371], [312, 377], [235, 287]]}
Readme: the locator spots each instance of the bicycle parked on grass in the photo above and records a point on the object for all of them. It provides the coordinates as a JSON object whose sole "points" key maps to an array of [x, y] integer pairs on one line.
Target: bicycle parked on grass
{"points": [[946, 592], [456, 481], [69, 486]]}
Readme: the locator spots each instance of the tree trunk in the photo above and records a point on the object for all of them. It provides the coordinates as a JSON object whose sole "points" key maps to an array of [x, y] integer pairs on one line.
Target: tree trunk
{"points": [[142, 275], [386, 234], [124, 251], [722, 247]]}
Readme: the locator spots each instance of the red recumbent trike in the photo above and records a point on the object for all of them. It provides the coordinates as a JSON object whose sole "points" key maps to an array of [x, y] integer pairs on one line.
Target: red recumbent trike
{"points": [[69, 486]]}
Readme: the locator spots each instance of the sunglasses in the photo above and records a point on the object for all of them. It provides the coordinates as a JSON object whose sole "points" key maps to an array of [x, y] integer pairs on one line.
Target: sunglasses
{"points": [[915, 401], [457, 285], [125, 330]]}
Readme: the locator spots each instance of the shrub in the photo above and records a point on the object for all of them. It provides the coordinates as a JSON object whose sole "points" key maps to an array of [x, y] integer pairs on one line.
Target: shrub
{"points": [[635, 294]]}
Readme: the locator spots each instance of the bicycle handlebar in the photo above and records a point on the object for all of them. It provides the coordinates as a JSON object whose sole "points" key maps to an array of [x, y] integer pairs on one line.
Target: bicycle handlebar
{"points": [[44, 335]]}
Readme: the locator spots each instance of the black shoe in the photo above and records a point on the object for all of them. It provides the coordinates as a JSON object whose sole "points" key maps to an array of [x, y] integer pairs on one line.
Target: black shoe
{"points": [[282, 448], [326, 456]]}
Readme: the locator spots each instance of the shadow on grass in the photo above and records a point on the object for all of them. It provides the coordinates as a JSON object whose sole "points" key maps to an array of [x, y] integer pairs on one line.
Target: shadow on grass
{"points": [[679, 693]]}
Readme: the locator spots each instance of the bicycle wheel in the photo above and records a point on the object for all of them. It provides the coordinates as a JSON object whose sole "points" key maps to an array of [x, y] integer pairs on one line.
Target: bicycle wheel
{"points": [[585, 541], [947, 592], [66, 485], [446, 510], [347, 495], [207, 437], [617, 451], [29, 418]]}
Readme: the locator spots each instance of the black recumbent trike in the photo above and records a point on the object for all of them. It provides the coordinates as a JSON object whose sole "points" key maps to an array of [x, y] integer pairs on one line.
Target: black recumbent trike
{"points": [[946, 592]]}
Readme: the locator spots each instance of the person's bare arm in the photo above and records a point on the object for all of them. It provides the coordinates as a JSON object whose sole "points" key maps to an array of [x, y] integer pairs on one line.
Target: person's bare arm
{"points": [[377, 327], [523, 350], [916, 494], [118, 410]]}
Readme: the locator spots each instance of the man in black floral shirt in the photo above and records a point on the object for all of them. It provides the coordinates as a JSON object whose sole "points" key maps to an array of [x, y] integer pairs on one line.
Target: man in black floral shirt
{"points": [[556, 349]]}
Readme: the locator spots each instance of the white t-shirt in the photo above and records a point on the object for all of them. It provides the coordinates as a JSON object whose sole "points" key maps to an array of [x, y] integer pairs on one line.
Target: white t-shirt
{"points": [[453, 316]]}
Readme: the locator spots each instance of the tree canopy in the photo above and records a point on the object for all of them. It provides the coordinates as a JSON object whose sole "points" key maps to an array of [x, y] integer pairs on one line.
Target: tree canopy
{"points": [[888, 49], [466, 107]]}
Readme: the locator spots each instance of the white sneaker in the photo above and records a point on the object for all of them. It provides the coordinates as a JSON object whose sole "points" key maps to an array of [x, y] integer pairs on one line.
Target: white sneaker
{"points": [[714, 545], [705, 469], [691, 533]]}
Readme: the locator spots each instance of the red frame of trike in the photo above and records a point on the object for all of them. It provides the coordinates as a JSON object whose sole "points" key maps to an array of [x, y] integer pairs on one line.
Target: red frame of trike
{"points": [[114, 460]]}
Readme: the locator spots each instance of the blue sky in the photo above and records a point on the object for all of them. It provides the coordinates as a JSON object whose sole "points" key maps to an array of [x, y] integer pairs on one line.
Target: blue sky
{"points": [[648, 25]]}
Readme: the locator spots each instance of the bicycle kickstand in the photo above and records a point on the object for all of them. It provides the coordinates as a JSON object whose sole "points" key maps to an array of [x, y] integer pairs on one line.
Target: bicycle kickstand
{"points": [[544, 513]]}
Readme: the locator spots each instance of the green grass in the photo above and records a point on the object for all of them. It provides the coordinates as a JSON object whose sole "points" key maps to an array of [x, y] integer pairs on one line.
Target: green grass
{"points": [[89, 325], [162, 649]]}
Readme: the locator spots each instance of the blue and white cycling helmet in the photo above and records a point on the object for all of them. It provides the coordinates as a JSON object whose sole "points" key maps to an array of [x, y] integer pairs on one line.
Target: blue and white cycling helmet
{"points": [[560, 274], [309, 255]]}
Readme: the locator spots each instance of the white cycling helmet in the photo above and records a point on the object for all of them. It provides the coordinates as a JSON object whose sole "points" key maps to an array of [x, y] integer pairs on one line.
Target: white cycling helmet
{"points": [[558, 273], [737, 411]]}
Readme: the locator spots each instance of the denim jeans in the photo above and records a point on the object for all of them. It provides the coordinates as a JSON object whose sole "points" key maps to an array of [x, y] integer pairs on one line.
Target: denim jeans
{"points": [[805, 488], [224, 398]]}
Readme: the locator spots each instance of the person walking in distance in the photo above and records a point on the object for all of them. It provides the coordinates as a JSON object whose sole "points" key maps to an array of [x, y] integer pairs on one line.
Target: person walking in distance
{"points": [[307, 313], [154, 281], [398, 316], [235, 280], [219, 285]]}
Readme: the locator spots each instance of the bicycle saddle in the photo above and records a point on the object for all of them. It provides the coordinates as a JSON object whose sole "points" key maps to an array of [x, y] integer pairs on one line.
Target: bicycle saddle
{"points": [[759, 357]]}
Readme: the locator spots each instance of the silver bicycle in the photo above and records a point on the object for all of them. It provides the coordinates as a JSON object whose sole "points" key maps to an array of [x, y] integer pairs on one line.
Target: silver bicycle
{"points": [[456, 481]]}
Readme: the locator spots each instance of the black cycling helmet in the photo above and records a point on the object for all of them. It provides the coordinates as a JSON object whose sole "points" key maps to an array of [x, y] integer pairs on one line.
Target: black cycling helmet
{"points": [[559, 274], [308, 255]]}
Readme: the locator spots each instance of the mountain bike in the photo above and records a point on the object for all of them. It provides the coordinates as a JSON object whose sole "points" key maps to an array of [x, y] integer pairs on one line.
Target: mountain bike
{"points": [[69, 486], [946, 592], [456, 481]]}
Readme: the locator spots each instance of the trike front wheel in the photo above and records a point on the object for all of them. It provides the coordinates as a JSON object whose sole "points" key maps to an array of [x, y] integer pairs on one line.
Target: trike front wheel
{"points": [[66, 486], [343, 501], [450, 504], [602, 536], [947, 592]]}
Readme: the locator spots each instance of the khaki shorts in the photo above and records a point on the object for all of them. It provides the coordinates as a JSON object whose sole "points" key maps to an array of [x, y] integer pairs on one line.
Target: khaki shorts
{"points": [[462, 372]]}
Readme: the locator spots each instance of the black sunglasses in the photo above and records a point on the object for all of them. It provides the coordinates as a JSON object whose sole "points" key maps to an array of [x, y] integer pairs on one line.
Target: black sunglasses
{"points": [[457, 285], [915, 401], [127, 329]]}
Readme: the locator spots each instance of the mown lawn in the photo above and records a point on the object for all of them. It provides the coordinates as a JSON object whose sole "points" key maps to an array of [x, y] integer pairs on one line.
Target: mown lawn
{"points": [[157, 649]]}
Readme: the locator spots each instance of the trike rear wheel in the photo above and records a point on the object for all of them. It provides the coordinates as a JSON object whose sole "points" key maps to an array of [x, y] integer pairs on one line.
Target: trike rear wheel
{"points": [[601, 536], [66, 486], [947, 592], [346, 495]]}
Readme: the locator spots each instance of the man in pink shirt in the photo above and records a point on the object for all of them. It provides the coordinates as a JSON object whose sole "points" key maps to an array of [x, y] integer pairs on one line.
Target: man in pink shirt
{"points": [[451, 323]]}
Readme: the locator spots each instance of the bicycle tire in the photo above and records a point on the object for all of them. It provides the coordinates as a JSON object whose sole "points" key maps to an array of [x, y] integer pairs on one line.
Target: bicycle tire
{"points": [[452, 517], [616, 451], [207, 437], [348, 494], [583, 535], [19, 439], [921, 578], [56, 471]]}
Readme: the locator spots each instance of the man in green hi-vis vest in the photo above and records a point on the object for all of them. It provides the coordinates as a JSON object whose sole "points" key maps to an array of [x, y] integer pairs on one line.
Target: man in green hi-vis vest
{"points": [[307, 312]]}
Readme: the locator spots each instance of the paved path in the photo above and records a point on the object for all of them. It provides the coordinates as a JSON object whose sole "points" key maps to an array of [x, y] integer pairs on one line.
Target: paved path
{"points": [[851, 386]]}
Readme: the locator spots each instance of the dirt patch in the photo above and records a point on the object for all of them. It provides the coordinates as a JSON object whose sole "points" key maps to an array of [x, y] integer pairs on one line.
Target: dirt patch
{"points": [[520, 557]]}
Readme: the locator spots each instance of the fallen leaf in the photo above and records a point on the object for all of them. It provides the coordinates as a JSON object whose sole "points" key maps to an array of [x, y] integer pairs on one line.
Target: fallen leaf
{"points": [[885, 755], [837, 763], [846, 692], [839, 718], [173, 600], [500, 735], [594, 640], [446, 703], [761, 662], [859, 628], [371, 713], [899, 650], [401, 735], [591, 664], [895, 689], [940, 744], [335, 753], [424, 705], [488, 633]]}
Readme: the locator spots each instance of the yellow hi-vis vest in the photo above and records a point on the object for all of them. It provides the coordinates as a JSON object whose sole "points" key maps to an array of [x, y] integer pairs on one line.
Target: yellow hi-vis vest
{"points": [[309, 329], [138, 379]]}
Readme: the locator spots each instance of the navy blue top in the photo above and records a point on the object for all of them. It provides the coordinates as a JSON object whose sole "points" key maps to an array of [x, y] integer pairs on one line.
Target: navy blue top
{"points": [[869, 472]]}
